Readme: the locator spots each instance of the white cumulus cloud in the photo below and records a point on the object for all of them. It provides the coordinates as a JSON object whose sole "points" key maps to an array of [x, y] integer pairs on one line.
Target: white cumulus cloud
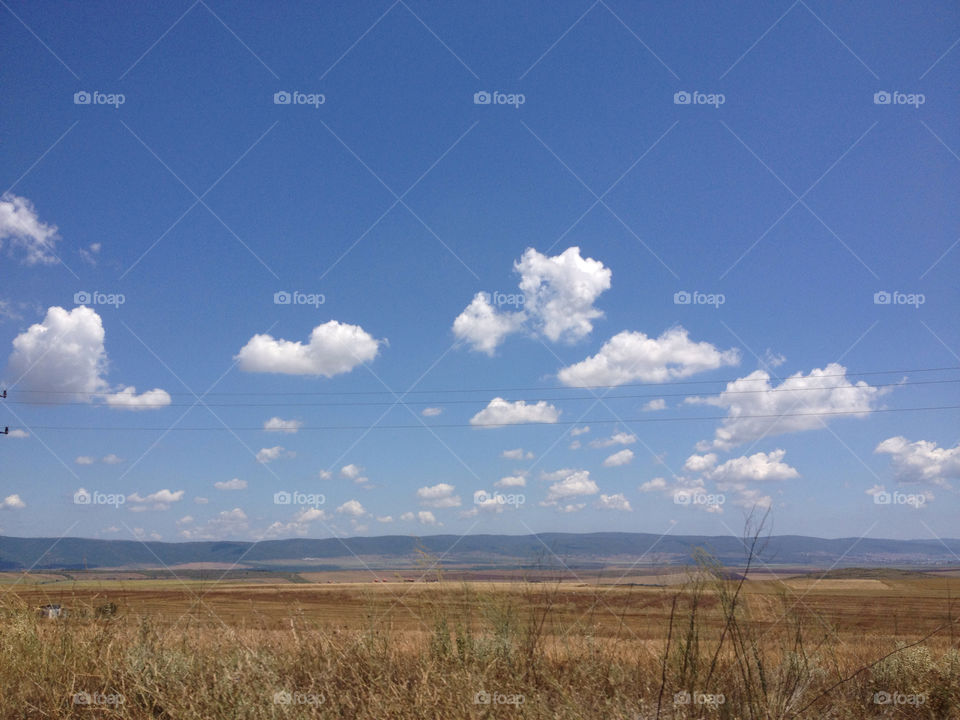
{"points": [[789, 407], [511, 481], [22, 229], [12, 502], [619, 458], [352, 508], [268, 455], [333, 348], [575, 483], [276, 424], [355, 473], [620, 438], [225, 525], [63, 359], [758, 467], [234, 484], [503, 412], [483, 327], [558, 302], [614, 502], [631, 356], [921, 461], [159, 500], [438, 496], [127, 399]]}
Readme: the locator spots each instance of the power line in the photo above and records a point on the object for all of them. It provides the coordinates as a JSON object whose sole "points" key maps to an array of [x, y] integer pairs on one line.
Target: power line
{"points": [[499, 425], [505, 389], [475, 401]]}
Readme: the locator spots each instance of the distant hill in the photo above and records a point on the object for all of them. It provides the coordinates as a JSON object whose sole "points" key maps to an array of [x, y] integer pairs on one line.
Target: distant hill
{"points": [[495, 551]]}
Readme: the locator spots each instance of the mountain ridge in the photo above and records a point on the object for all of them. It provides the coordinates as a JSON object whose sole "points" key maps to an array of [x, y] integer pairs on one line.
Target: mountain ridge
{"points": [[573, 549]]}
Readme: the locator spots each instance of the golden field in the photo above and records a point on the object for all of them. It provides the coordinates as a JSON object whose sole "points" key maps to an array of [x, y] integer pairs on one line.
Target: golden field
{"points": [[327, 645]]}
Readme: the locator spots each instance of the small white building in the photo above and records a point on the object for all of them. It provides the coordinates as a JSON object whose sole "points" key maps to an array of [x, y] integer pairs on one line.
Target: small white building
{"points": [[52, 611]]}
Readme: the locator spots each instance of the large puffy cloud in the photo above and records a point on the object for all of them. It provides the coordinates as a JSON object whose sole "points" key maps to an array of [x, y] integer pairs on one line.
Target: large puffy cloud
{"points": [[559, 292], [333, 348], [630, 356], [758, 467], [502, 412], [558, 295], [64, 355], [921, 461], [438, 496], [574, 484], [788, 406], [21, 227]]}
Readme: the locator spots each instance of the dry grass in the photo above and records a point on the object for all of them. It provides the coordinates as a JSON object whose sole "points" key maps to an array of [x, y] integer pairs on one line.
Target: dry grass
{"points": [[425, 651]]}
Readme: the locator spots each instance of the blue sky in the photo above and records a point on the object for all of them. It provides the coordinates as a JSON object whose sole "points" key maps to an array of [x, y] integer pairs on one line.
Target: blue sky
{"points": [[786, 194]]}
